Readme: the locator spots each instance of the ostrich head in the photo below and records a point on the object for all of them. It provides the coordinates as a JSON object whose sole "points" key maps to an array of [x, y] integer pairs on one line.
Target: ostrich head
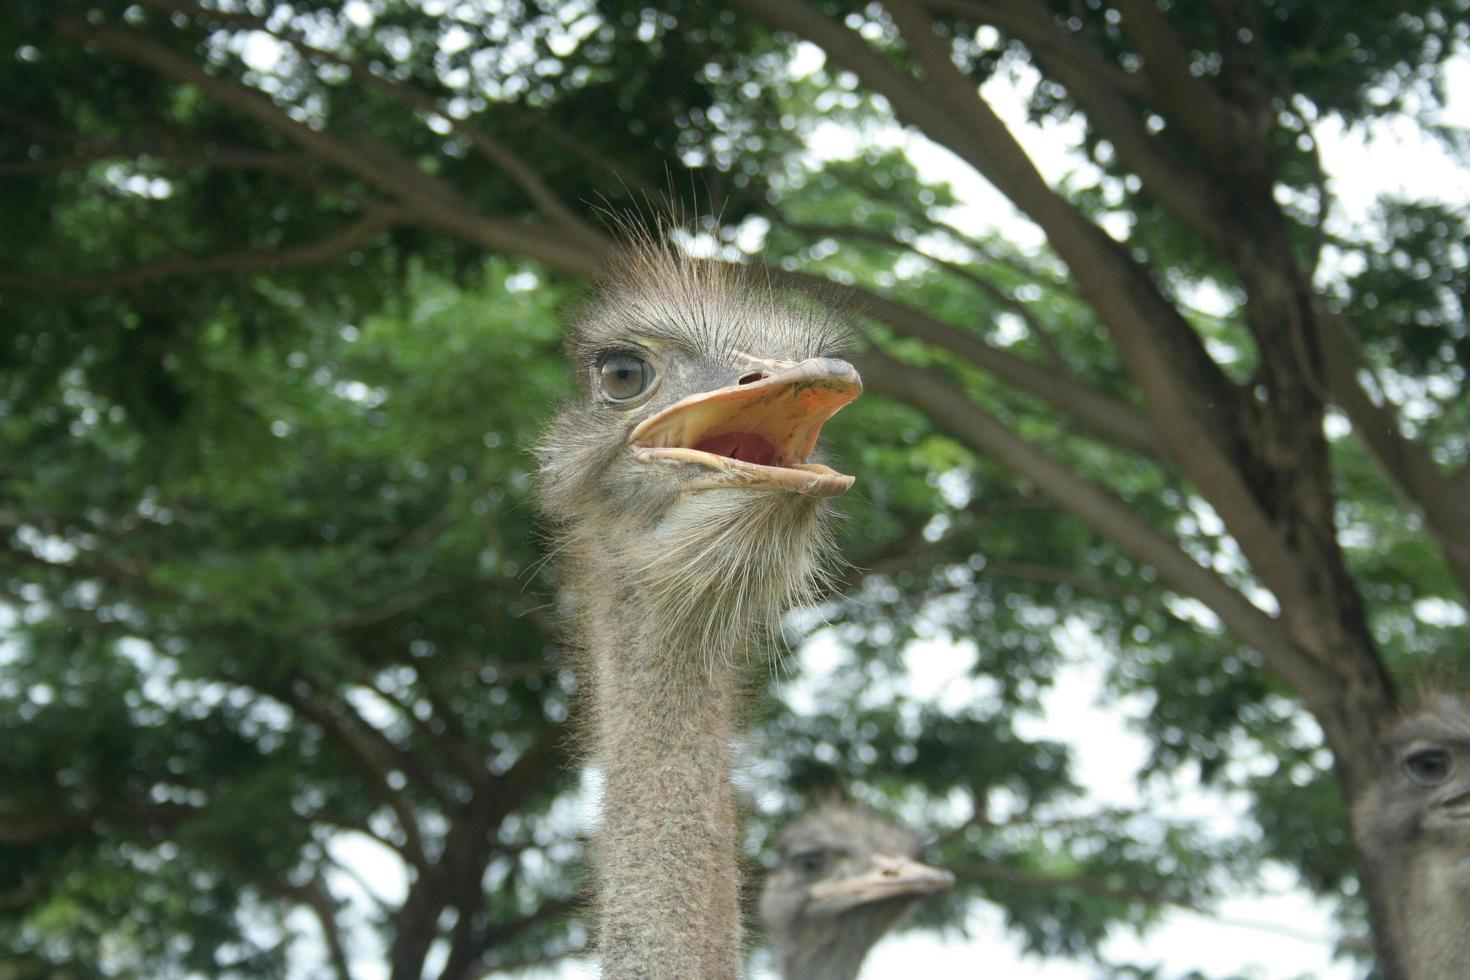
{"points": [[1422, 800], [846, 876], [1413, 826], [685, 478]]}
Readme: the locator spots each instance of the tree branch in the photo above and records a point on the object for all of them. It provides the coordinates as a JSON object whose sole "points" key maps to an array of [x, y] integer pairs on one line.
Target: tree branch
{"points": [[1444, 499], [521, 173], [1087, 884], [986, 250], [1103, 415], [1183, 97], [914, 553], [1025, 818], [334, 246], [394, 605], [1211, 430], [212, 156], [1034, 326], [1037, 29], [434, 201], [468, 959], [456, 745], [1185, 190], [522, 963], [624, 176], [1094, 506], [316, 897], [323, 906], [454, 880], [373, 755], [18, 830]]}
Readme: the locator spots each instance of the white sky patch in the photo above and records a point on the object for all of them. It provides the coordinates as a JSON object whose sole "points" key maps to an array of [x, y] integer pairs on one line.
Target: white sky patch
{"points": [[261, 52], [1440, 612], [360, 14], [808, 59], [455, 40], [1392, 156]]}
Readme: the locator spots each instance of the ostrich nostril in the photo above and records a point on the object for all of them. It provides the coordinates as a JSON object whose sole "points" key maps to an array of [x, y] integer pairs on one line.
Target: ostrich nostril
{"points": [[890, 872], [753, 377]]}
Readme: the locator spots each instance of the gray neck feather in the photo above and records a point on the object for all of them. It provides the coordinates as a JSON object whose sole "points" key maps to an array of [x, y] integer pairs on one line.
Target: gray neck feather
{"points": [[669, 614], [825, 954], [666, 852], [1436, 914]]}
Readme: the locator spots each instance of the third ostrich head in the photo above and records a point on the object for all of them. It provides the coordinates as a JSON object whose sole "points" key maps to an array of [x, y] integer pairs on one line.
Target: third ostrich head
{"points": [[846, 876]]}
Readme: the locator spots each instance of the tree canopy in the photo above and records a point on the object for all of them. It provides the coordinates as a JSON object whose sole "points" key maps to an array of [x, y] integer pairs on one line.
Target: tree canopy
{"points": [[282, 285]]}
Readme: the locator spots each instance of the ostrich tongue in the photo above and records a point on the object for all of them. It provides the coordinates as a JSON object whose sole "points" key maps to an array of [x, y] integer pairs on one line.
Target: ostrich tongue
{"points": [[755, 435]]}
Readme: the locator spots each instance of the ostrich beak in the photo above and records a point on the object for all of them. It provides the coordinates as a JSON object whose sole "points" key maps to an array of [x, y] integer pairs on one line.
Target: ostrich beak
{"points": [[756, 435], [890, 876], [1456, 807]]}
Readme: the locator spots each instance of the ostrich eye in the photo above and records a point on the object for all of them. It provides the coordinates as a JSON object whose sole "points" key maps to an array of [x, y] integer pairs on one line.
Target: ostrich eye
{"points": [[624, 376], [808, 861], [1428, 767]]}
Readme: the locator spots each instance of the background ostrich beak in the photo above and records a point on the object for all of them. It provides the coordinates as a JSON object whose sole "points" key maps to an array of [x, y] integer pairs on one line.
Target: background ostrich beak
{"points": [[890, 876], [1457, 807]]}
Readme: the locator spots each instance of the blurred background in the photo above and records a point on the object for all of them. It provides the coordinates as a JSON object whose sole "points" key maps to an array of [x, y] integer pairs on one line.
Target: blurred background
{"points": [[1162, 508]]}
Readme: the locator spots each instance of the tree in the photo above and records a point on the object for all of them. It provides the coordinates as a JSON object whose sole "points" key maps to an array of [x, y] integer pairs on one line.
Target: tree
{"points": [[1258, 503], [264, 632]]}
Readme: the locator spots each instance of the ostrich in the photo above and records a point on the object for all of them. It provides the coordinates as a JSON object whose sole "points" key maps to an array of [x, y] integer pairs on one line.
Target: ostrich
{"points": [[846, 877], [1414, 824], [688, 515]]}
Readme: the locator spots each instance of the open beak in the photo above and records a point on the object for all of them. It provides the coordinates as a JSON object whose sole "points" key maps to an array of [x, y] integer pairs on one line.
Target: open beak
{"points": [[756, 435], [891, 876]]}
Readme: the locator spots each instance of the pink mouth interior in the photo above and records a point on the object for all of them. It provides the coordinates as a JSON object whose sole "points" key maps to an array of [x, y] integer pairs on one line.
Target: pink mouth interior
{"points": [[748, 447]]}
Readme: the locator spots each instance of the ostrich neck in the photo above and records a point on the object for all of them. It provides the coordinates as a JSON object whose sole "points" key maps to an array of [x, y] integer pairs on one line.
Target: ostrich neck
{"points": [[662, 724], [829, 954], [1435, 926]]}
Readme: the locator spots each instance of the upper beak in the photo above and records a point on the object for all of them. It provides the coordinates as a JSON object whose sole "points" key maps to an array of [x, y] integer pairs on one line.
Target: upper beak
{"points": [[891, 876], [761, 433]]}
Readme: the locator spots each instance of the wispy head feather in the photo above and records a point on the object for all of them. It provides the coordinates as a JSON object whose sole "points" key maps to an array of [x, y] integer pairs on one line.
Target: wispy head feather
{"points": [[709, 568]]}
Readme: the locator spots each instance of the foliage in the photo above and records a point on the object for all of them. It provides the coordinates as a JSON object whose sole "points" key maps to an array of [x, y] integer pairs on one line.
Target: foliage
{"points": [[282, 284]]}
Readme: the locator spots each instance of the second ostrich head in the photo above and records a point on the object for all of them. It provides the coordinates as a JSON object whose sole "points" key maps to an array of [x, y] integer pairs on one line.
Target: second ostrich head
{"points": [[846, 876], [1413, 823], [687, 474]]}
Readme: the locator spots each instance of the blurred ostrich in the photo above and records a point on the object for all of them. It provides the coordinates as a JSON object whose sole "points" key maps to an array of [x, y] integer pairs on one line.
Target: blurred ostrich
{"points": [[1414, 824], [688, 516], [846, 877]]}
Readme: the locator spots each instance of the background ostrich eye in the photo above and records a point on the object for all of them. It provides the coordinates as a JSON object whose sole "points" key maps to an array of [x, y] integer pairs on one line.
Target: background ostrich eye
{"points": [[624, 376], [1428, 767], [808, 861]]}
